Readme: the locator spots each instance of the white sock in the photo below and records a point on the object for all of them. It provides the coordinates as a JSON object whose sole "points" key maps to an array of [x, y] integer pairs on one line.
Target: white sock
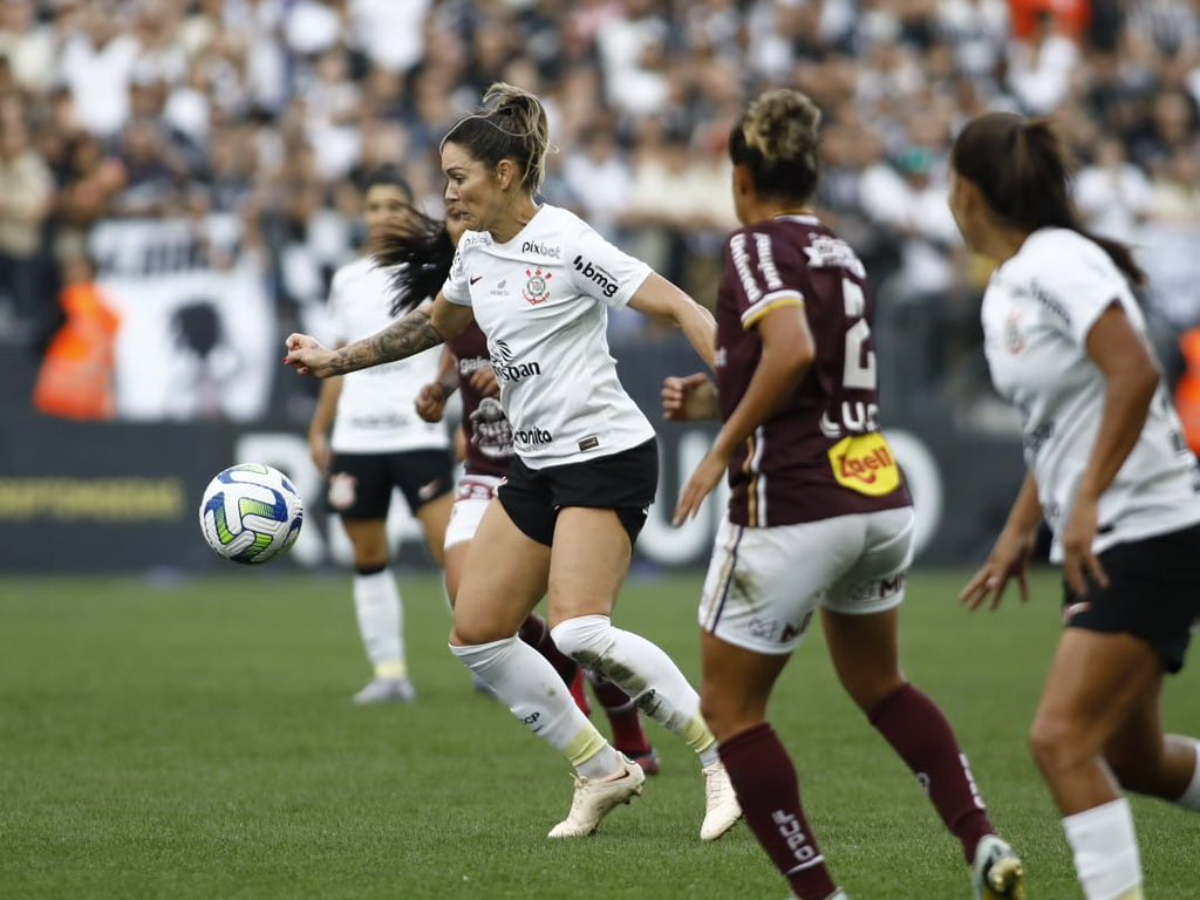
{"points": [[1190, 798], [644, 672], [381, 622], [527, 684], [1106, 851]]}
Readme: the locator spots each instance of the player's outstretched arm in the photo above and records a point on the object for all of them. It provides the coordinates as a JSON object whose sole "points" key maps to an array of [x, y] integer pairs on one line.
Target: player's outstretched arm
{"points": [[660, 299], [431, 400], [787, 355], [322, 423], [419, 330], [1010, 556]]}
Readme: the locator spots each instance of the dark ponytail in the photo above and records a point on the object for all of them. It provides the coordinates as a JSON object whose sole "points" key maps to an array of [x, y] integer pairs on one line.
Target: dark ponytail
{"points": [[1022, 167], [422, 251]]}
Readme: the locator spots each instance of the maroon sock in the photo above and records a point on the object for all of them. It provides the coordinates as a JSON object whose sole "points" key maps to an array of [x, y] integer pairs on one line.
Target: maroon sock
{"points": [[924, 739], [536, 633], [622, 712], [766, 785]]}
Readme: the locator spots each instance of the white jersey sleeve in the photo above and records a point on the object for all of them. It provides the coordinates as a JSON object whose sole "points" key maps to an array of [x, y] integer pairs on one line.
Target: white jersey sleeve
{"points": [[1077, 286], [600, 270], [456, 289]]}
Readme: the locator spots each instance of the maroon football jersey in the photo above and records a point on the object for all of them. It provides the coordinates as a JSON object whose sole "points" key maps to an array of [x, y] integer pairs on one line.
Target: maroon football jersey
{"points": [[821, 454], [489, 437]]}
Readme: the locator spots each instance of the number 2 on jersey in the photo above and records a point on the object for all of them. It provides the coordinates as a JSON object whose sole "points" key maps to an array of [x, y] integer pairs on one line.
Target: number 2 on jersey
{"points": [[857, 373]]}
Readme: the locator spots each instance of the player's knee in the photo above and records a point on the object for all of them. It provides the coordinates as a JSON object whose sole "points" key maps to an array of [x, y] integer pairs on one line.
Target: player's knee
{"points": [[869, 690], [1057, 746], [474, 630], [584, 638], [370, 552], [474, 634]]}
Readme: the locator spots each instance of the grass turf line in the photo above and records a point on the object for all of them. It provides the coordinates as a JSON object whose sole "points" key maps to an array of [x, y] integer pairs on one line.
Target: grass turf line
{"points": [[196, 740]]}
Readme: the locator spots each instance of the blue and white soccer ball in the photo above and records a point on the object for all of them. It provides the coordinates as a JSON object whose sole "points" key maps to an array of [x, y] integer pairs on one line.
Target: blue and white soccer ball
{"points": [[251, 514]]}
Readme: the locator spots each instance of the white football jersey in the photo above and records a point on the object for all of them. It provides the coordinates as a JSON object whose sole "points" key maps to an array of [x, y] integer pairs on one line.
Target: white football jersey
{"points": [[376, 412], [542, 300], [1037, 312]]}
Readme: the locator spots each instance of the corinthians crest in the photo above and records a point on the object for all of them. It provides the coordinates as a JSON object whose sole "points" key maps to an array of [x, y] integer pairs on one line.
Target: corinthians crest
{"points": [[537, 287]]}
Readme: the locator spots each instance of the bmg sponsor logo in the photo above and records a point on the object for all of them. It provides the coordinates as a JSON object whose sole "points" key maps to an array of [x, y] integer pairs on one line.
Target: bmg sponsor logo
{"points": [[604, 280]]}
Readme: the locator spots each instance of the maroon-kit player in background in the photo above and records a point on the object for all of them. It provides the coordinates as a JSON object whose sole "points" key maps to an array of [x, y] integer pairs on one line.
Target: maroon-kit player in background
{"points": [[819, 518], [467, 367]]}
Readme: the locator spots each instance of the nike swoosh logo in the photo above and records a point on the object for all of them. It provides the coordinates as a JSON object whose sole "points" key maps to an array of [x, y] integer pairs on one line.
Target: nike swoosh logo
{"points": [[476, 278]]}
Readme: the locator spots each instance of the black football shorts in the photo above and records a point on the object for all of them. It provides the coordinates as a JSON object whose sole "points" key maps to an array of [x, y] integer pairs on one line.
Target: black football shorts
{"points": [[1153, 593], [624, 482], [360, 484]]}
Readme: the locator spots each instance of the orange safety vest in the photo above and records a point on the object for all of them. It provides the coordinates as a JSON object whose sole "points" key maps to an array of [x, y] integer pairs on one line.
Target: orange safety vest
{"points": [[1187, 392], [1072, 16], [76, 378]]}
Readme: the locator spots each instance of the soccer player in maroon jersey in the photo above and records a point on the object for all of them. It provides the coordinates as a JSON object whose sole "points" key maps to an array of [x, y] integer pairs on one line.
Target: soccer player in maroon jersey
{"points": [[819, 518], [467, 368]]}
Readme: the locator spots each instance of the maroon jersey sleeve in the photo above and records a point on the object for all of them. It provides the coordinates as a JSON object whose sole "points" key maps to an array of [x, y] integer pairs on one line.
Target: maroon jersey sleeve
{"points": [[765, 280], [489, 436], [820, 454]]}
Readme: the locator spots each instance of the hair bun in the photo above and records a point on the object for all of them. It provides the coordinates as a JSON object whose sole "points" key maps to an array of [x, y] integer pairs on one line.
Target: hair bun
{"points": [[782, 124]]}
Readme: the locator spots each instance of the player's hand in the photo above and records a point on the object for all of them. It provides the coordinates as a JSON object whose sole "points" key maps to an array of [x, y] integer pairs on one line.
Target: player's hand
{"points": [[1009, 559], [484, 380], [431, 402], [706, 477], [306, 355], [1080, 565], [690, 398], [318, 449]]}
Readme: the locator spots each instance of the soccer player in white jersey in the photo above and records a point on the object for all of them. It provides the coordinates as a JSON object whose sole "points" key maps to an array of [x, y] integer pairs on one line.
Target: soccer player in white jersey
{"points": [[539, 281], [1111, 475], [819, 518], [421, 253], [380, 443]]}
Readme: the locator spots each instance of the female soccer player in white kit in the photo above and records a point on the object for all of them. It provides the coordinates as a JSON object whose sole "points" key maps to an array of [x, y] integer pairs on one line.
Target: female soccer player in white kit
{"points": [[1108, 470], [380, 443], [538, 281], [421, 254]]}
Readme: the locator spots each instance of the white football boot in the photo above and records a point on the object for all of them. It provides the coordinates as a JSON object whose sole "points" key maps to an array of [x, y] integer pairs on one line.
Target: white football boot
{"points": [[721, 807], [386, 690], [595, 798], [998, 873]]}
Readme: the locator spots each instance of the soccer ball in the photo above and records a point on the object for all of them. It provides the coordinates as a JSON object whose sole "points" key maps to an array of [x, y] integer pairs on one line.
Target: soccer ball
{"points": [[251, 514]]}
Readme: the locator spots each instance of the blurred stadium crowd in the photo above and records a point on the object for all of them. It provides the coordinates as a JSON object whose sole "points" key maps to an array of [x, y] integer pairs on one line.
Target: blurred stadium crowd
{"points": [[272, 112]]}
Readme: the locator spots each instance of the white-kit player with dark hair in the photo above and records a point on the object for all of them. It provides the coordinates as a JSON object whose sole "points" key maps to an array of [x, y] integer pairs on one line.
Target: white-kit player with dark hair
{"points": [[379, 443]]}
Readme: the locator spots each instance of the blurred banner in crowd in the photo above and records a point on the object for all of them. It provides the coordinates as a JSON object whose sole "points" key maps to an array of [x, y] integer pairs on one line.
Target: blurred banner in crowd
{"points": [[124, 496], [198, 332]]}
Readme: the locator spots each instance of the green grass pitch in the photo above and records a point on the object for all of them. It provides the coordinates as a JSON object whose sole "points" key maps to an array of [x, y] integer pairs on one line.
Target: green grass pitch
{"points": [[196, 740]]}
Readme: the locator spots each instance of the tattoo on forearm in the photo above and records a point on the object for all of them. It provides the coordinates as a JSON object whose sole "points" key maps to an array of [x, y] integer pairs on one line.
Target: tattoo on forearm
{"points": [[409, 336]]}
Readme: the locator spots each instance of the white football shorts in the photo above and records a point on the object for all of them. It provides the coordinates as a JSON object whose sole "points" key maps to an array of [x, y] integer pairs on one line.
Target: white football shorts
{"points": [[764, 584], [475, 492]]}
